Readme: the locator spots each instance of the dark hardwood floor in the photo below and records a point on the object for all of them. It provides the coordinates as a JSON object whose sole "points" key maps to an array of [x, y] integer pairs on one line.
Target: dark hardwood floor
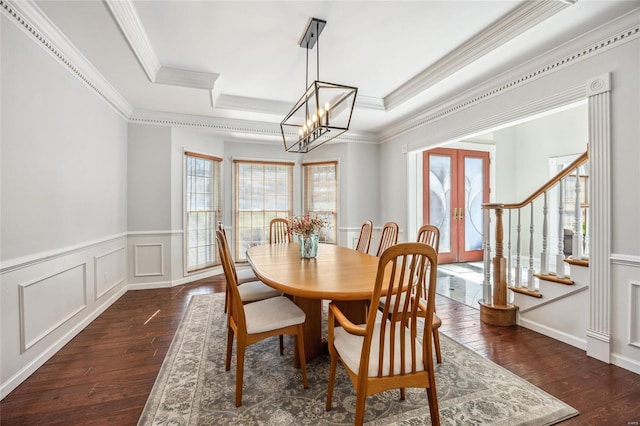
{"points": [[104, 375]]}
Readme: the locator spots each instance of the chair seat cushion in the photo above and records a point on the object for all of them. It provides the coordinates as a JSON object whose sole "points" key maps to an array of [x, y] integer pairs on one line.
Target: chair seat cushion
{"points": [[256, 290], [245, 275], [349, 348], [271, 314]]}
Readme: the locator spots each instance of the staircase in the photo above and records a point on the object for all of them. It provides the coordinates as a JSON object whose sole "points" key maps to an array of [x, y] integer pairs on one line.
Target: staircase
{"points": [[532, 288]]}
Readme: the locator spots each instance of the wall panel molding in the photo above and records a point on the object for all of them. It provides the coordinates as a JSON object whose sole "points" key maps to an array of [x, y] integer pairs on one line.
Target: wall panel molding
{"points": [[148, 259], [39, 317], [109, 271], [634, 314]]}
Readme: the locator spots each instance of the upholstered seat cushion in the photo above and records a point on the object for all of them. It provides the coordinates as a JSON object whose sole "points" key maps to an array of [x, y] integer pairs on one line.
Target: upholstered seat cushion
{"points": [[271, 314], [245, 275], [256, 290], [349, 348]]}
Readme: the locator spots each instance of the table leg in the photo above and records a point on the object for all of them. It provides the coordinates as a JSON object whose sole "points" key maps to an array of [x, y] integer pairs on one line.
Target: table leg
{"points": [[312, 329]]}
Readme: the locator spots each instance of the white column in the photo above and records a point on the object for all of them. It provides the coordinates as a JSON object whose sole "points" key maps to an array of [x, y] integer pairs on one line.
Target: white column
{"points": [[599, 331]]}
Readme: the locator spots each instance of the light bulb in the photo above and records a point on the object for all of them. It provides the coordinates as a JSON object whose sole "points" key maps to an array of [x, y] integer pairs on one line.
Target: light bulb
{"points": [[309, 123], [315, 118], [326, 106], [321, 113]]}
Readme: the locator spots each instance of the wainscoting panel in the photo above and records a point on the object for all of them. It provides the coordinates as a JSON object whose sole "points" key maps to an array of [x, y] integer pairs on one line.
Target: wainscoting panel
{"points": [[148, 260], [38, 315], [634, 320], [110, 270]]}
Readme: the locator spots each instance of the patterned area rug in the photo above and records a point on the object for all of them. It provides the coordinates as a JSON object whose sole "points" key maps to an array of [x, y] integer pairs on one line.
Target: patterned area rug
{"points": [[193, 388]]}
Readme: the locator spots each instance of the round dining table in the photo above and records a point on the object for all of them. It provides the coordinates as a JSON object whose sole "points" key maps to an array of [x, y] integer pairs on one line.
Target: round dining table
{"points": [[340, 274]]}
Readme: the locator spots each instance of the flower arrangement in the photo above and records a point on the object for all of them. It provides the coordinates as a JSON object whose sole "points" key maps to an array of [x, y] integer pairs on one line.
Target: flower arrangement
{"points": [[306, 225]]}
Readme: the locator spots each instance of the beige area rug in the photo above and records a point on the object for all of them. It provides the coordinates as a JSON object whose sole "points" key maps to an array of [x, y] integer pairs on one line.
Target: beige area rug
{"points": [[193, 388]]}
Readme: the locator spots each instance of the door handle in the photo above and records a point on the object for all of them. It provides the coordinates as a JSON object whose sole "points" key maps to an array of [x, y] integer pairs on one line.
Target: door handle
{"points": [[460, 213]]}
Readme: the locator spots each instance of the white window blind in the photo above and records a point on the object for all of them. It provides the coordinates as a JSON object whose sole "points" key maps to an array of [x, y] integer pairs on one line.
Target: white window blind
{"points": [[203, 209], [320, 183], [263, 191]]}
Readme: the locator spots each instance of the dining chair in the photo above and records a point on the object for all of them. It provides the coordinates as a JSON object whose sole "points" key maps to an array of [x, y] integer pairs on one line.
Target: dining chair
{"points": [[244, 275], [427, 234], [256, 321], [279, 231], [385, 353], [388, 237], [364, 240]]}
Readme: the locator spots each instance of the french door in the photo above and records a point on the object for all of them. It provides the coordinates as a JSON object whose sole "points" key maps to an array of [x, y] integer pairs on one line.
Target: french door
{"points": [[456, 184]]}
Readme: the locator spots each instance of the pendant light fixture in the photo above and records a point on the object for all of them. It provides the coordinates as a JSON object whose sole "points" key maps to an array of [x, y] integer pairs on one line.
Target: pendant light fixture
{"points": [[324, 110]]}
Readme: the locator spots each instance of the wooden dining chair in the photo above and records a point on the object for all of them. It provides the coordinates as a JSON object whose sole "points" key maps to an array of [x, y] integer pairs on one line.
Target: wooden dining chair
{"points": [[256, 321], [427, 234], [364, 240], [279, 231], [388, 238], [244, 275], [385, 353]]}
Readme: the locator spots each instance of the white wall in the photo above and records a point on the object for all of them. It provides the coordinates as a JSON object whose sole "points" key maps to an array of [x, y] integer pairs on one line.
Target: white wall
{"points": [[64, 205], [546, 90]]}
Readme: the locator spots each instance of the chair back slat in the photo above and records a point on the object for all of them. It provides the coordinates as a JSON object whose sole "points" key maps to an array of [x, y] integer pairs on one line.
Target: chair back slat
{"points": [[235, 310], [364, 240], [404, 269], [388, 238], [429, 234], [279, 231]]}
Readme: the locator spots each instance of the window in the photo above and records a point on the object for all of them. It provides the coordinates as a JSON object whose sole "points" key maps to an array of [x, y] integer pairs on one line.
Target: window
{"points": [[264, 191], [203, 209], [321, 195]]}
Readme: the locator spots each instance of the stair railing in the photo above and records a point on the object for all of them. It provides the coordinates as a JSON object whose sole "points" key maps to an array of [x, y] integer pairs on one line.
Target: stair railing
{"points": [[495, 308]]}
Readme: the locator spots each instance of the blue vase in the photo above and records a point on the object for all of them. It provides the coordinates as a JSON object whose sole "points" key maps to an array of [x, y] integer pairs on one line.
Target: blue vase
{"points": [[308, 245]]}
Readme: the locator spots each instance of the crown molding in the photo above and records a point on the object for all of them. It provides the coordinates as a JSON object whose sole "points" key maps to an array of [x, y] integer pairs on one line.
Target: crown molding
{"points": [[127, 18], [236, 128], [620, 31], [186, 78], [129, 22], [30, 19], [506, 28]]}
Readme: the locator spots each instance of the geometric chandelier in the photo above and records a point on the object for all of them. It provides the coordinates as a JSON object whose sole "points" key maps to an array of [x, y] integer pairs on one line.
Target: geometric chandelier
{"points": [[324, 110]]}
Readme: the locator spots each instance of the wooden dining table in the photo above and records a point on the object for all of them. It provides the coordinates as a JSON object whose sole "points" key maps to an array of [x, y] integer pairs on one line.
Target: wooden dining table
{"points": [[340, 274]]}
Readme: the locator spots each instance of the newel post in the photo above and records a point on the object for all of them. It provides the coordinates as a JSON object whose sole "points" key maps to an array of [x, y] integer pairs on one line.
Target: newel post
{"points": [[498, 311]]}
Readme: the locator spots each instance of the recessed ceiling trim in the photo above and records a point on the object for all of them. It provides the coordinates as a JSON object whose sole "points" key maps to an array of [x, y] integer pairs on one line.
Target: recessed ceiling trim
{"points": [[250, 128], [129, 22], [623, 34], [520, 19], [127, 18], [185, 78], [31, 20]]}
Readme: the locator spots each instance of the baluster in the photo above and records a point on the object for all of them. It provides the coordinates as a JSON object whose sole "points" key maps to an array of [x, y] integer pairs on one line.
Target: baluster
{"points": [[544, 256], [531, 284], [499, 262], [486, 284], [560, 255], [518, 269], [509, 252], [577, 232], [585, 253]]}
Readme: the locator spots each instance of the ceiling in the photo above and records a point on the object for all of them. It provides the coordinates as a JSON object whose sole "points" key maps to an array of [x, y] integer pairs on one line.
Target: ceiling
{"points": [[240, 60]]}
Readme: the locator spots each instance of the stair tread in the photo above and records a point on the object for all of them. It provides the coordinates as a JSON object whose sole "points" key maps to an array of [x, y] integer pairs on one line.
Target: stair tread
{"points": [[579, 262], [523, 290], [552, 277]]}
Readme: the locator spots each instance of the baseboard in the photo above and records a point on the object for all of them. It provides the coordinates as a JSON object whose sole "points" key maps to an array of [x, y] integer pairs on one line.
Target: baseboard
{"points": [[632, 365], [173, 283], [44, 356], [553, 333]]}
